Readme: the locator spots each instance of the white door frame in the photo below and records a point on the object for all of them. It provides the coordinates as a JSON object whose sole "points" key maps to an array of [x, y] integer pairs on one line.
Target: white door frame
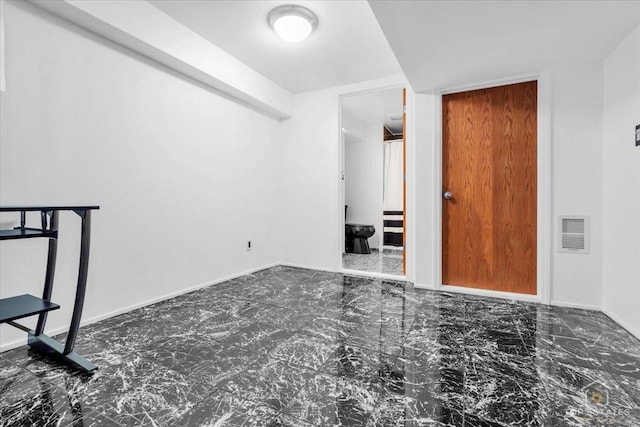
{"points": [[543, 251]]}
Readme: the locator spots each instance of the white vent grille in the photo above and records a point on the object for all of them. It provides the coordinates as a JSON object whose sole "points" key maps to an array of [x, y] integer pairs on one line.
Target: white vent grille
{"points": [[574, 234]]}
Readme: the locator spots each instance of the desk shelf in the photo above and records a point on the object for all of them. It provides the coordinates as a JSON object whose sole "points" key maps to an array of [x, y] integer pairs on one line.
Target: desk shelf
{"points": [[23, 306], [26, 233]]}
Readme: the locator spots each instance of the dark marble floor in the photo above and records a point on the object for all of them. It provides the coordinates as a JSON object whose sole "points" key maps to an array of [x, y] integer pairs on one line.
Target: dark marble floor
{"points": [[293, 347], [388, 261]]}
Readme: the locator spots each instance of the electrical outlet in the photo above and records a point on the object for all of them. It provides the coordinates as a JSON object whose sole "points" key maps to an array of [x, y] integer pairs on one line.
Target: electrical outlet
{"points": [[248, 246]]}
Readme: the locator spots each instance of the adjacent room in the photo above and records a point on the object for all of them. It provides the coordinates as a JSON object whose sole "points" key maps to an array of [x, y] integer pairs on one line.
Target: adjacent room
{"points": [[372, 126], [319, 213]]}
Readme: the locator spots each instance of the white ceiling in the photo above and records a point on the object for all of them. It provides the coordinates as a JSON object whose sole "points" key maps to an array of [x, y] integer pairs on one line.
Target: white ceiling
{"points": [[374, 108], [347, 47], [444, 44]]}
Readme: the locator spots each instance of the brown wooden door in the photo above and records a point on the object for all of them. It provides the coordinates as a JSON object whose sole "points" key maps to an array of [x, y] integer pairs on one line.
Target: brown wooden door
{"points": [[489, 165]]}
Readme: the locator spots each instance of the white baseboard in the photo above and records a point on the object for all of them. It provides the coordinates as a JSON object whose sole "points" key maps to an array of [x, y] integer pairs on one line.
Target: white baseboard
{"points": [[51, 332], [491, 294], [622, 323], [307, 267], [348, 271], [575, 305], [504, 295], [373, 275], [255, 270]]}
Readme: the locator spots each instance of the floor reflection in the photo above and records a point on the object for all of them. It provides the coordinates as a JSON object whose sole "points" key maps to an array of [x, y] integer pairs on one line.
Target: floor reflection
{"points": [[30, 400], [387, 261]]}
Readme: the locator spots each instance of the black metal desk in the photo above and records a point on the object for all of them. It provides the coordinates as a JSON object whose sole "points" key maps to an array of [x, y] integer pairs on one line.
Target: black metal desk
{"points": [[17, 307]]}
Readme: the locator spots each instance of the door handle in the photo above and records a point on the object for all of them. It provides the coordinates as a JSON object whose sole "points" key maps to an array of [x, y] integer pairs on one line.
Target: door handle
{"points": [[448, 195]]}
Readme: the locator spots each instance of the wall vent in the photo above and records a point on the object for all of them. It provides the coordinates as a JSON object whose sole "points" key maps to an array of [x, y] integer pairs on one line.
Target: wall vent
{"points": [[574, 234]]}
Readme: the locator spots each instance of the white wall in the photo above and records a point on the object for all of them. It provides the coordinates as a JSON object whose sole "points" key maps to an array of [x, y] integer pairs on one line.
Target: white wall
{"points": [[426, 197], [622, 183], [576, 179], [309, 183], [182, 175], [364, 181]]}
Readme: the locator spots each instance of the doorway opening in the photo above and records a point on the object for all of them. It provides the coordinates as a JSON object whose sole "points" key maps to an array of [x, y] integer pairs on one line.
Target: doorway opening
{"points": [[373, 164]]}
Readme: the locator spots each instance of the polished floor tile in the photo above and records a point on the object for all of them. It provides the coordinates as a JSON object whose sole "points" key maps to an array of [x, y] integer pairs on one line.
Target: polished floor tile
{"points": [[226, 409], [294, 347], [272, 383], [328, 400], [388, 261], [28, 400]]}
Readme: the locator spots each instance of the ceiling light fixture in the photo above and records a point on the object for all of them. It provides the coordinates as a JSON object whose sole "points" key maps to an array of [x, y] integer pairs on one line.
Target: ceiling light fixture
{"points": [[292, 23]]}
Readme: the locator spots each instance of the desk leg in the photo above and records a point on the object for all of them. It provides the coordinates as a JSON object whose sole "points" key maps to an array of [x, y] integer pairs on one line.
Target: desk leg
{"points": [[48, 345], [82, 280], [37, 339], [51, 269]]}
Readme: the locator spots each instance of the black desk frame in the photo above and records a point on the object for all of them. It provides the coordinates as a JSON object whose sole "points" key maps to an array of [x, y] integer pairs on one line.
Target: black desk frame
{"points": [[27, 305]]}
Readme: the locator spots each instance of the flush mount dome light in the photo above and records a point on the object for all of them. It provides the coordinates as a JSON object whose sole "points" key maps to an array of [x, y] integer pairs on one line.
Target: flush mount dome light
{"points": [[292, 23]]}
